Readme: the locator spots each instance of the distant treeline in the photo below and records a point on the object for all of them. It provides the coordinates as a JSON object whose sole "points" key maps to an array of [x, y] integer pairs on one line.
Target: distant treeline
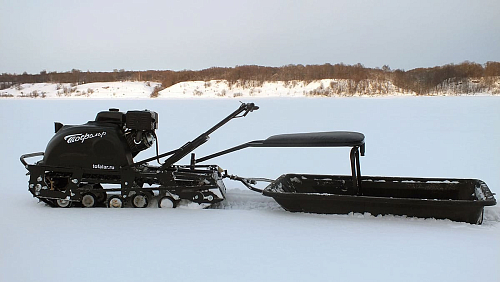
{"points": [[420, 80]]}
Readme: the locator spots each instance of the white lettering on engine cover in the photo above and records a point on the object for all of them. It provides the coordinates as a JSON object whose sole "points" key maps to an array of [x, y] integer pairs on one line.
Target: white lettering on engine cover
{"points": [[100, 166], [81, 137]]}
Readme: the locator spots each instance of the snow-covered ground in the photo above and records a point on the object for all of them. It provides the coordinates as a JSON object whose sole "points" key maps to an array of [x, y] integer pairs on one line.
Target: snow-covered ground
{"points": [[249, 237], [223, 89]]}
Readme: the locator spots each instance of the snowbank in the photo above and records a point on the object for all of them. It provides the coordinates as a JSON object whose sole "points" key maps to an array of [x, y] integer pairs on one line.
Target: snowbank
{"points": [[324, 87], [239, 89], [97, 90]]}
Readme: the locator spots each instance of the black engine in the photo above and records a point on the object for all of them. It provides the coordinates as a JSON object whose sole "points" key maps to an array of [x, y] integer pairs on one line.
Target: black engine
{"points": [[111, 141]]}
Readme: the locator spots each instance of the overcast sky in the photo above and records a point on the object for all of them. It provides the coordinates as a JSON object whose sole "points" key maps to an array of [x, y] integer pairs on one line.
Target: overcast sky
{"points": [[102, 35]]}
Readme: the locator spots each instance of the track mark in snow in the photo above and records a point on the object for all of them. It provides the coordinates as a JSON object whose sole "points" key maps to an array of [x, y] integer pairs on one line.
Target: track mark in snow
{"points": [[237, 199], [492, 213]]}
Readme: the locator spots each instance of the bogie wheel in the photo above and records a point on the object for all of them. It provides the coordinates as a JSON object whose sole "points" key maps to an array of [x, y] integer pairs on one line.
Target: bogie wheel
{"points": [[167, 202], [101, 197], [100, 194], [62, 203], [89, 200], [140, 200], [115, 202], [150, 194]]}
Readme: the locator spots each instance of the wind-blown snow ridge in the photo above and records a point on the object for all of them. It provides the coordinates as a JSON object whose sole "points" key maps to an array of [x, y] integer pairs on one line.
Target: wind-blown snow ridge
{"points": [[227, 89]]}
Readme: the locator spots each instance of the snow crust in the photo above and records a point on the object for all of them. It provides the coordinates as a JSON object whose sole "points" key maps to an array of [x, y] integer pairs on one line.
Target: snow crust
{"points": [[249, 237]]}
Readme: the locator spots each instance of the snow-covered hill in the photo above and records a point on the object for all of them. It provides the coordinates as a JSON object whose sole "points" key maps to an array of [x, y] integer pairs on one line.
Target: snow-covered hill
{"points": [[98, 90], [324, 87], [238, 89]]}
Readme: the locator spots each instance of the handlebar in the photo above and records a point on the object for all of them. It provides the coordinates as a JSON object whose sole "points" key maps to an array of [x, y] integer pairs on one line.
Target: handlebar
{"points": [[187, 148], [39, 154], [249, 107]]}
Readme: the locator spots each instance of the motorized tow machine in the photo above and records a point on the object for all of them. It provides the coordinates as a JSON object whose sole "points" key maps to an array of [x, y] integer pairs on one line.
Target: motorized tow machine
{"points": [[93, 165]]}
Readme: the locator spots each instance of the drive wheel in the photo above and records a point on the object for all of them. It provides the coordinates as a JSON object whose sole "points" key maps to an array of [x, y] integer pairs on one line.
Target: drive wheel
{"points": [[62, 203], [140, 200], [89, 200], [115, 202], [167, 202]]}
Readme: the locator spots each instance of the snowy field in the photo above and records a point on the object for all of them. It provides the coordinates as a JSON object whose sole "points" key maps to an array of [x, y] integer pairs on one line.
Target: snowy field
{"points": [[249, 237]]}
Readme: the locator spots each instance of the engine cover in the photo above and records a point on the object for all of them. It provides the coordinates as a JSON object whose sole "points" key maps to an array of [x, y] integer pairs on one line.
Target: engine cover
{"points": [[91, 145]]}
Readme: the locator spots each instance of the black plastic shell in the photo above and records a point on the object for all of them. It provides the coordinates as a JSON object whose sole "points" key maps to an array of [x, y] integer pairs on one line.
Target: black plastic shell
{"points": [[88, 145]]}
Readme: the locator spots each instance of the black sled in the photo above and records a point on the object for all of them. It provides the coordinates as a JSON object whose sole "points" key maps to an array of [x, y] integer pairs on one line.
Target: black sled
{"points": [[441, 198]]}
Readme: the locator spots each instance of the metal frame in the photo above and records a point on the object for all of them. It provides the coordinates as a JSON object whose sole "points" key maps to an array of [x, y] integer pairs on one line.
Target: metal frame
{"points": [[354, 160], [186, 181], [355, 169], [133, 176]]}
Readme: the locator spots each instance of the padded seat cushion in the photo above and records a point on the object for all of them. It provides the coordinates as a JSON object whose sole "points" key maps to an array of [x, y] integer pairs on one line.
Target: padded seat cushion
{"points": [[317, 139]]}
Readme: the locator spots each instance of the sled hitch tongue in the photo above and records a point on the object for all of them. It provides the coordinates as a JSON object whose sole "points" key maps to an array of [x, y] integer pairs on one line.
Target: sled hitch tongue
{"points": [[248, 182]]}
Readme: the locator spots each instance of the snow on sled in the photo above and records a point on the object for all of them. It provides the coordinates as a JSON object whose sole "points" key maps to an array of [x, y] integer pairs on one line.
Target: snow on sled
{"points": [[93, 164]]}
